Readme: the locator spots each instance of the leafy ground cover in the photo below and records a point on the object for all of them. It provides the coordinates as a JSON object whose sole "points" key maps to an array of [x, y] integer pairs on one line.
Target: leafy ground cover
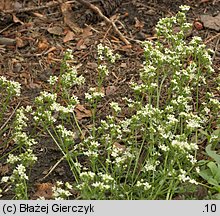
{"points": [[156, 139]]}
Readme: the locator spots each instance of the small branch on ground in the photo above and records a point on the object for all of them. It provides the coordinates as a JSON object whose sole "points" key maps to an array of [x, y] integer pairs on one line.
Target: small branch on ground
{"points": [[106, 19], [22, 10], [7, 41]]}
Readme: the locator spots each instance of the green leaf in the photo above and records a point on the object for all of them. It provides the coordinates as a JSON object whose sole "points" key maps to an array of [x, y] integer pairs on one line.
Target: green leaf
{"points": [[212, 166], [217, 188], [202, 162], [217, 175], [203, 132], [206, 174], [212, 181], [212, 154], [217, 196]]}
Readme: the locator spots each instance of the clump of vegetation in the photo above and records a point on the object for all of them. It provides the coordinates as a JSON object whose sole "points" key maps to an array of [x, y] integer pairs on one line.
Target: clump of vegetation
{"points": [[150, 155]]}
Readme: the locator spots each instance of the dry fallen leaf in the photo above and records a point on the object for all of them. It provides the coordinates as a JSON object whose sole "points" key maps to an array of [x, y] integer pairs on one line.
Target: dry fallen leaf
{"points": [[92, 65], [138, 24], [68, 18], [33, 85], [86, 32], [44, 190], [211, 22], [110, 90], [69, 36], [80, 44], [82, 112], [119, 146], [6, 4], [123, 65], [16, 20], [19, 42], [56, 30], [4, 169], [43, 44], [204, 1]]}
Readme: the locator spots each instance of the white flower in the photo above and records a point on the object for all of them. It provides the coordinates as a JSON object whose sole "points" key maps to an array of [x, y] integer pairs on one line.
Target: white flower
{"points": [[143, 184], [12, 159], [59, 183], [101, 186], [87, 175], [193, 123], [53, 80], [19, 172], [184, 7], [103, 69], [115, 107], [163, 147], [149, 166], [5, 179], [106, 178], [193, 181], [68, 186]]}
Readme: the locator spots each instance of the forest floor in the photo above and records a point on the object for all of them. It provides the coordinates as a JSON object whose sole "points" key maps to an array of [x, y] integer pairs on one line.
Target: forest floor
{"points": [[40, 38]]}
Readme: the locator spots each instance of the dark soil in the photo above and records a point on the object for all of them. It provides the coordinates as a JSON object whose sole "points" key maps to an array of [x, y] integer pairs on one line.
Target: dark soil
{"points": [[31, 65]]}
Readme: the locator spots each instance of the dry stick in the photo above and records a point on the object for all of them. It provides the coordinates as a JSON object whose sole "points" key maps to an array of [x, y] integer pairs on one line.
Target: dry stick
{"points": [[98, 11], [7, 27], [22, 10], [212, 38], [55, 165], [216, 47], [53, 168], [6, 122], [7, 41]]}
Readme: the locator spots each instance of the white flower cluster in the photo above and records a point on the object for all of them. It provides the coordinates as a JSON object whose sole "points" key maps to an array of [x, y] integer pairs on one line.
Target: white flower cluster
{"points": [[93, 95], [64, 133], [21, 118], [69, 54], [103, 70], [59, 108], [12, 87], [46, 97], [44, 116], [71, 78], [143, 184], [60, 193], [87, 176], [150, 166], [115, 107], [183, 145], [53, 80], [92, 147], [106, 51], [183, 177], [26, 158]]}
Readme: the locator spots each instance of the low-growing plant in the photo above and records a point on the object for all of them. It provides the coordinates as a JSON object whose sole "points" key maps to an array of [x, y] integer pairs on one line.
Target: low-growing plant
{"points": [[9, 90], [210, 170], [24, 159], [151, 154]]}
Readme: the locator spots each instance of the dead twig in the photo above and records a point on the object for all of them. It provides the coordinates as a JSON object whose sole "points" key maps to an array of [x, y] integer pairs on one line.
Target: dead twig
{"points": [[212, 38], [22, 10], [53, 168], [7, 27], [6, 122], [106, 19], [216, 48], [7, 41]]}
